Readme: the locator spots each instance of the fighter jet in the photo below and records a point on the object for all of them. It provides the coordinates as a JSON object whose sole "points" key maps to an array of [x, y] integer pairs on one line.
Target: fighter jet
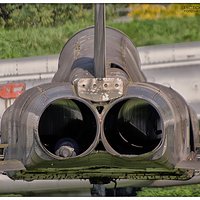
{"points": [[99, 119]]}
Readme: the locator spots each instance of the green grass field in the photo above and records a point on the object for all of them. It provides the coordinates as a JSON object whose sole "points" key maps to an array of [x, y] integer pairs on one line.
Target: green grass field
{"points": [[175, 191], [163, 31], [15, 43]]}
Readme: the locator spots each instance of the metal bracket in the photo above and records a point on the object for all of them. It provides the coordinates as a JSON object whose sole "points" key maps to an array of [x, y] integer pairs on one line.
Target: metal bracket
{"points": [[2, 147], [9, 165], [100, 89]]}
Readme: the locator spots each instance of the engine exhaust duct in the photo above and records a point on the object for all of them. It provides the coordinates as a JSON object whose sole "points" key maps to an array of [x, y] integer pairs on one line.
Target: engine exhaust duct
{"points": [[151, 122], [51, 124]]}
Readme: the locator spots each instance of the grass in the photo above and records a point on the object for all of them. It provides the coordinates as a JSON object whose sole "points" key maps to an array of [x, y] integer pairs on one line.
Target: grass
{"points": [[46, 41], [35, 42], [163, 31], [175, 191]]}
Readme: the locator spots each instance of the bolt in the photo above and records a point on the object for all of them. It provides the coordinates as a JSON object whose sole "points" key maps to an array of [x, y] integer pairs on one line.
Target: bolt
{"points": [[65, 151]]}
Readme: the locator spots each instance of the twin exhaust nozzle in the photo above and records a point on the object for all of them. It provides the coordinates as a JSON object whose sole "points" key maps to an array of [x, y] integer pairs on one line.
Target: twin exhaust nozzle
{"points": [[58, 120], [56, 124], [71, 127]]}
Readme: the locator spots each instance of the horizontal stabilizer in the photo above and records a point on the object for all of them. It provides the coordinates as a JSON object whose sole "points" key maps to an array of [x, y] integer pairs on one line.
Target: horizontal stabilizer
{"points": [[11, 165], [187, 164]]}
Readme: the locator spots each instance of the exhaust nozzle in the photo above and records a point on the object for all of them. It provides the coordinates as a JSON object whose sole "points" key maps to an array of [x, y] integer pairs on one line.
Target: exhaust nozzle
{"points": [[67, 128], [138, 127], [49, 122]]}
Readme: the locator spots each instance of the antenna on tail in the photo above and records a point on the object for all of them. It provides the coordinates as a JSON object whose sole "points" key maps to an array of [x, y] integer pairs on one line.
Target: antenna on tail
{"points": [[99, 41]]}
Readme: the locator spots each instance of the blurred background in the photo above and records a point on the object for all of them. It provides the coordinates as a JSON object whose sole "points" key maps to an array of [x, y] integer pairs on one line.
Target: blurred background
{"points": [[43, 29]]}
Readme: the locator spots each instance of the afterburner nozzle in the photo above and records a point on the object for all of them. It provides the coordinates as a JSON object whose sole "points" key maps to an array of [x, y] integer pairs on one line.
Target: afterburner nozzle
{"points": [[150, 119], [138, 127], [67, 128], [53, 123]]}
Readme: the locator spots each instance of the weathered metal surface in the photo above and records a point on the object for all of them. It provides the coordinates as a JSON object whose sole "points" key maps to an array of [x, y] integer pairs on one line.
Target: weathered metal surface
{"points": [[173, 122], [78, 52], [33, 115], [125, 128], [11, 165], [100, 90], [162, 69], [188, 164], [42, 163]]}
